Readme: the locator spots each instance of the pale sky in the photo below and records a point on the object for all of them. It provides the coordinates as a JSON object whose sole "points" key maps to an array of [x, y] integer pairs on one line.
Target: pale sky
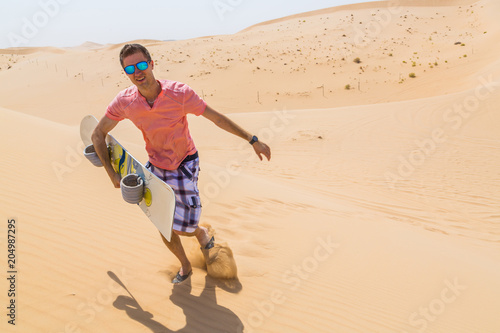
{"points": [[63, 23]]}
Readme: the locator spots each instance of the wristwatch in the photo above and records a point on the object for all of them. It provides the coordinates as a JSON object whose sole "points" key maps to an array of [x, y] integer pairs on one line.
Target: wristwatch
{"points": [[254, 140]]}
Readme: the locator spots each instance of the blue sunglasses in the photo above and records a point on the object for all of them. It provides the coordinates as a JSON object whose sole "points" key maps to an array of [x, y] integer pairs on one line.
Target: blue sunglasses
{"points": [[143, 65]]}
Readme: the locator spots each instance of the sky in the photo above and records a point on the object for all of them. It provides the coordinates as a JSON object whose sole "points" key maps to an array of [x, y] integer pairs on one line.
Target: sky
{"points": [[66, 23]]}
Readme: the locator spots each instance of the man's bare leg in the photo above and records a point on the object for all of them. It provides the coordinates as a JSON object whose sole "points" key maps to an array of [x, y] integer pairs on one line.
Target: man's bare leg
{"points": [[202, 236], [175, 246]]}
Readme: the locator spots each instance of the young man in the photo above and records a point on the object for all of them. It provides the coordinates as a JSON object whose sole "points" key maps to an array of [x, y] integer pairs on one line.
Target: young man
{"points": [[159, 109]]}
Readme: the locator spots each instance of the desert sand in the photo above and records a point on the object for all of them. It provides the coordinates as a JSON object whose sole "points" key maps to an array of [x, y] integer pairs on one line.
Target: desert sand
{"points": [[378, 212]]}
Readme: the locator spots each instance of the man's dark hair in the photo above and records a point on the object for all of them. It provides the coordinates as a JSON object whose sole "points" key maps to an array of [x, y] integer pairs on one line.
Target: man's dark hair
{"points": [[130, 49]]}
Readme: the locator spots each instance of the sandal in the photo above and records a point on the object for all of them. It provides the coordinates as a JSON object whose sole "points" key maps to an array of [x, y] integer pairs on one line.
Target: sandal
{"points": [[181, 278], [209, 245]]}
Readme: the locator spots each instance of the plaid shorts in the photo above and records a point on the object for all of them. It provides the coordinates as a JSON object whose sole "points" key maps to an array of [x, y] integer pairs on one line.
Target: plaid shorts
{"points": [[184, 182]]}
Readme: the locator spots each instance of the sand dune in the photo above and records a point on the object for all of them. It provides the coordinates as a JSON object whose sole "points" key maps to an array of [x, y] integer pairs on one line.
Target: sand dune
{"points": [[377, 213], [368, 5]]}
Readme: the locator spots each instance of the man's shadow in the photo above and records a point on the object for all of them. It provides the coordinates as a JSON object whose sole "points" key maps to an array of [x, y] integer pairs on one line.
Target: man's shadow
{"points": [[203, 314], [136, 312]]}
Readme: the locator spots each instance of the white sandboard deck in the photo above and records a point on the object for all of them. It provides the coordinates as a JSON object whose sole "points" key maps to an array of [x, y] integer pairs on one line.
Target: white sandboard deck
{"points": [[159, 199]]}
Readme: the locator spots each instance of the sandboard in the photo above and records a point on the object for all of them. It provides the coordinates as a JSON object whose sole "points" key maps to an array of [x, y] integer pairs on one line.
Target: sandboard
{"points": [[159, 199]]}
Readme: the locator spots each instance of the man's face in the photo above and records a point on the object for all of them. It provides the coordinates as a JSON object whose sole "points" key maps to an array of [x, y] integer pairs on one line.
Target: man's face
{"points": [[139, 78]]}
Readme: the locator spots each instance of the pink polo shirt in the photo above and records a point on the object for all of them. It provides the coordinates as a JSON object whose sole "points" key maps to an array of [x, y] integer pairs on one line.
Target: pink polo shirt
{"points": [[164, 126]]}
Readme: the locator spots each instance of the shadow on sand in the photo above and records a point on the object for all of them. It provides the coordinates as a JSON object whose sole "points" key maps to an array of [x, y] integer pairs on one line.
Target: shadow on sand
{"points": [[203, 314]]}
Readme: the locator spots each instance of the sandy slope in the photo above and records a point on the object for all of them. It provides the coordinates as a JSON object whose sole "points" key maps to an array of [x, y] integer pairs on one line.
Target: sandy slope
{"points": [[377, 213], [309, 66]]}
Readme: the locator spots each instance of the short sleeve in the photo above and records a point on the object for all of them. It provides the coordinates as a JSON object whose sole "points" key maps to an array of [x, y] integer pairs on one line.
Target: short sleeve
{"points": [[114, 110], [193, 103]]}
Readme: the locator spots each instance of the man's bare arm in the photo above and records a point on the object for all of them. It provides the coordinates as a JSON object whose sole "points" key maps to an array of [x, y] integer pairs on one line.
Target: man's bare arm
{"points": [[230, 126], [99, 140]]}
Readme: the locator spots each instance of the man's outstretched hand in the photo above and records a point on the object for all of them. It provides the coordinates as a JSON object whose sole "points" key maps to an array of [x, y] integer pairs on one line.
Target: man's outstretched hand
{"points": [[262, 149]]}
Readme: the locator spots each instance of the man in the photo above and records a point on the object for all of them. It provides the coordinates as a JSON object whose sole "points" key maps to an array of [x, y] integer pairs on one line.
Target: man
{"points": [[159, 109]]}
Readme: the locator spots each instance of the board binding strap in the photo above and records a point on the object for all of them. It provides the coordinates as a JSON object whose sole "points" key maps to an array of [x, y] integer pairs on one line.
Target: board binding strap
{"points": [[92, 156], [132, 187]]}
